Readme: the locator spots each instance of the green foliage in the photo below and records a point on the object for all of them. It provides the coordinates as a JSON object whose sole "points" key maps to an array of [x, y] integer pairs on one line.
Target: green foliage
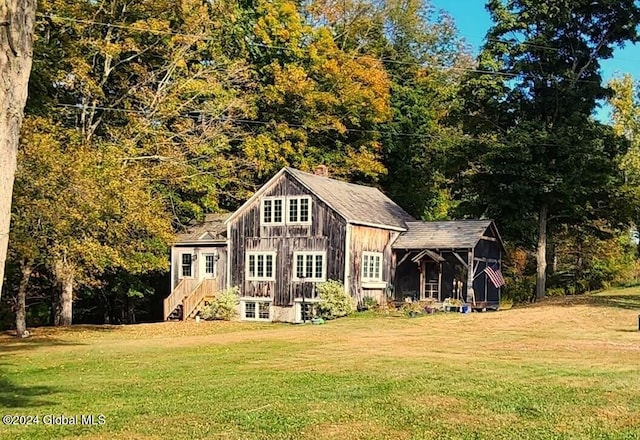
{"points": [[224, 306], [334, 301], [556, 291], [520, 289], [535, 153], [368, 303]]}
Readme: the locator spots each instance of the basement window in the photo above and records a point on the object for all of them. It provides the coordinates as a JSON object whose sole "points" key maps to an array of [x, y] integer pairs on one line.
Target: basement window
{"points": [[256, 310]]}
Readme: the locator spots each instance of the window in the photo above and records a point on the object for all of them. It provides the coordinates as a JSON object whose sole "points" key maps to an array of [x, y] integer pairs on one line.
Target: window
{"points": [[309, 265], [250, 310], [272, 208], [371, 266], [263, 310], [209, 264], [261, 266], [299, 209], [258, 310], [186, 266], [307, 311]]}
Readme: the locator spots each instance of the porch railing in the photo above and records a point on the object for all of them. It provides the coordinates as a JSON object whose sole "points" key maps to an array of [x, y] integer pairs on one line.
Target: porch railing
{"points": [[205, 289], [176, 297]]}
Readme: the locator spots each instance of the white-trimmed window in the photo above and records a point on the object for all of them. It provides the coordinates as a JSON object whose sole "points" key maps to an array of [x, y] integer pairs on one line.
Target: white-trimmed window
{"points": [[256, 310], [272, 211], [299, 210], [186, 265], [312, 266], [371, 266], [261, 266], [209, 265]]}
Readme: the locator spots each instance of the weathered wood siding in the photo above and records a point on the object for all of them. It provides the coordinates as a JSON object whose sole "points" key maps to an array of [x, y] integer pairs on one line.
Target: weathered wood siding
{"points": [[326, 232], [369, 239], [221, 263], [485, 253]]}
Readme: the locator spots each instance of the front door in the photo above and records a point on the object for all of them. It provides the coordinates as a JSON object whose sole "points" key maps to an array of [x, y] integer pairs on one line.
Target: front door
{"points": [[431, 277], [207, 265]]}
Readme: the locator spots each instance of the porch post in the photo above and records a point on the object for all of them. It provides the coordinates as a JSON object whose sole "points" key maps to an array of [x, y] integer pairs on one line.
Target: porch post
{"points": [[470, 293], [422, 279]]}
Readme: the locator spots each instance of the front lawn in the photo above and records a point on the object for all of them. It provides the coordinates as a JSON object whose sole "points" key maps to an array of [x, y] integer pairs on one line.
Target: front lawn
{"points": [[563, 369]]}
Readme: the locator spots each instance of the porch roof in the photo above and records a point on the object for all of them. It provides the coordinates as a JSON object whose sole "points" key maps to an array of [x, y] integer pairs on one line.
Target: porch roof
{"points": [[454, 234], [212, 229]]}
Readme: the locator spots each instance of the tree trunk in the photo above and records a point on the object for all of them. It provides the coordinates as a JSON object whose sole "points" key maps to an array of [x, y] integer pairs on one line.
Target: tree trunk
{"points": [[541, 275], [66, 300], [65, 277], [17, 19], [21, 311]]}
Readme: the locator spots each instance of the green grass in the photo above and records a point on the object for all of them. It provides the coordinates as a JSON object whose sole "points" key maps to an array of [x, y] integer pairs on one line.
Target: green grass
{"points": [[565, 369]]}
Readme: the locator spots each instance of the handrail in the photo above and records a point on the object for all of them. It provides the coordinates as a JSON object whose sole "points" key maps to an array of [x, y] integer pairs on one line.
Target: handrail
{"points": [[204, 289], [177, 296]]}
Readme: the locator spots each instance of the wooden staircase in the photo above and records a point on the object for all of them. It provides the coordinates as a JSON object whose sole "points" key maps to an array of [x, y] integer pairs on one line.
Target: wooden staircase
{"points": [[193, 303], [188, 298]]}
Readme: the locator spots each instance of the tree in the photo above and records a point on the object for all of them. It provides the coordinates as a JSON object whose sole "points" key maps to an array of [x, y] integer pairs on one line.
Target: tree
{"points": [[626, 122], [318, 102], [86, 210], [17, 18], [536, 155]]}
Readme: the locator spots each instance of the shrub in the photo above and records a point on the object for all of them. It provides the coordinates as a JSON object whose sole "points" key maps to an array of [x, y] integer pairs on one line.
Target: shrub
{"points": [[368, 303], [521, 289], [334, 301], [412, 308], [556, 291], [224, 306]]}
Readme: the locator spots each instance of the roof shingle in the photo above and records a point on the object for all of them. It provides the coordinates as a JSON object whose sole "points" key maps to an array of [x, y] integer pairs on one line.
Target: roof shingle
{"points": [[442, 235], [356, 203], [213, 224]]}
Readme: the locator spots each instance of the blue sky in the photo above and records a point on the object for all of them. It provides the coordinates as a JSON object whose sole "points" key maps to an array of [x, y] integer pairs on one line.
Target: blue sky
{"points": [[473, 21]]}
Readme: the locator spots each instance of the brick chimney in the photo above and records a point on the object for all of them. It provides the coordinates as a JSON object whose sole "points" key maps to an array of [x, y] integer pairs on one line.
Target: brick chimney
{"points": [[321, 170]]}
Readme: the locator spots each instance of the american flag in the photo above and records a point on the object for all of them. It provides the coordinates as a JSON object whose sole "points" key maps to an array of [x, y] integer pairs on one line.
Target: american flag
{"points": [[494, 274]]}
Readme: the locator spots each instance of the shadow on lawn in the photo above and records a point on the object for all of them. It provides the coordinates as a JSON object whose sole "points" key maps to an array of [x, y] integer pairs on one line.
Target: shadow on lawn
{"points": [[617, 300], [629, 302], [8, 345], [19, 396]]}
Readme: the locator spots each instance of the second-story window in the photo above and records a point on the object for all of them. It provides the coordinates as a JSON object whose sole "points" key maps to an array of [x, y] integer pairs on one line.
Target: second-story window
{"points": [[272, 211]]}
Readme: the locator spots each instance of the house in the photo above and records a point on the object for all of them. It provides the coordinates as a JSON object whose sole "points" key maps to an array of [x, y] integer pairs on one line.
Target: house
{"points": [[300, 229], [198, 267]]}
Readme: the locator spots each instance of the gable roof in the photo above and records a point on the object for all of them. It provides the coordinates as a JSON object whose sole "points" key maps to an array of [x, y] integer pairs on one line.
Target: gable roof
{"points": [[357, 204], [212, 229], [444, 235]]}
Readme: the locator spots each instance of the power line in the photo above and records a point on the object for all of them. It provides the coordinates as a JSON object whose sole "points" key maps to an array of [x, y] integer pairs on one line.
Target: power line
{"points": [[382, 60], [250, 121], [290, 124]]}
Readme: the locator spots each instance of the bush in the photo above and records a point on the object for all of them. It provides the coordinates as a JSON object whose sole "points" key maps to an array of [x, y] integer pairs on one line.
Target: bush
{"points": [[520, 289], [556, 291], [224, 306], [368, 303], [334, 301]]}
